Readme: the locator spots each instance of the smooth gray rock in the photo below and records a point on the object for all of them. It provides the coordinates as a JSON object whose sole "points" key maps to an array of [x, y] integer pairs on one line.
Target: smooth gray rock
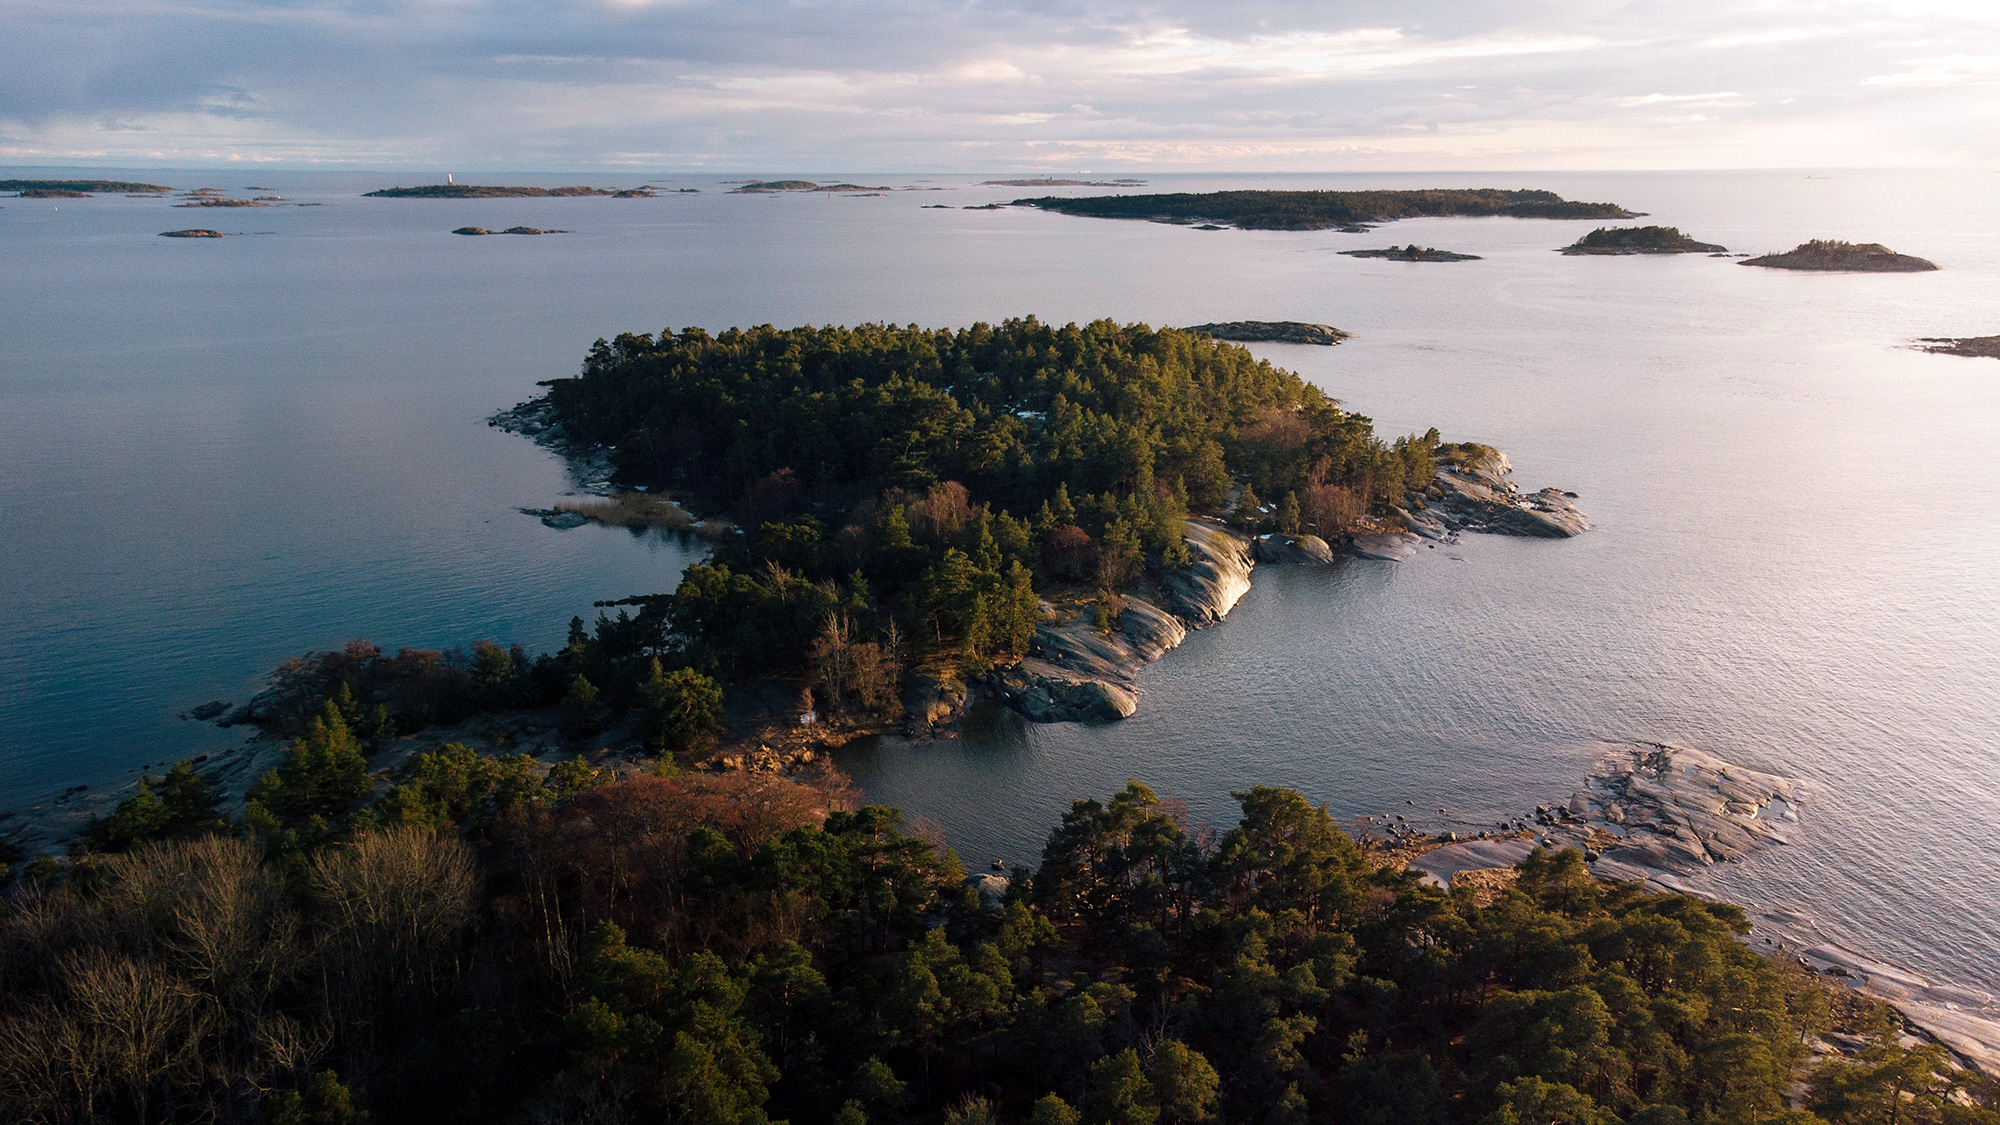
{"points": [[1077, 674], [1390, 546], [1281, 550]]}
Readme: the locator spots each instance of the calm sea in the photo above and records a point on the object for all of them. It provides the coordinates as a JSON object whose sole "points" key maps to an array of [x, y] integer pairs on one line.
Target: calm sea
{"points": [[220, 453]]}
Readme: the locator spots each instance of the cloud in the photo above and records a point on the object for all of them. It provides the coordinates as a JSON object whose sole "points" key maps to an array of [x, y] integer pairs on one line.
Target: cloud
{"points": [[1951, 70], [904, 84]]}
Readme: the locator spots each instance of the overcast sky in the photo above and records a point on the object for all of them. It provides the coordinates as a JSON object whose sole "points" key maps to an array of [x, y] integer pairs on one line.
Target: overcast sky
{"points": [[986, 86]]}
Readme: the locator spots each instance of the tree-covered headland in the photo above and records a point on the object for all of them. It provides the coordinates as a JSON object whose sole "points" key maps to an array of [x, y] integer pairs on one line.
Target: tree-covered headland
{"points": [[741, 948], [908, 497]]}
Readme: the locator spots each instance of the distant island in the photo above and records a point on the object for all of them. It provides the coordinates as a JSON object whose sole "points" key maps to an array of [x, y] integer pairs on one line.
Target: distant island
{"points": [[197, 232], [494, 191], [1843, 257], [85, 186], [1412, 253], [1325, 210], [509, 230], [1272, 332], [1061, 183], [1640, 240], [1985, 347], [221, 201], [766, 187]]}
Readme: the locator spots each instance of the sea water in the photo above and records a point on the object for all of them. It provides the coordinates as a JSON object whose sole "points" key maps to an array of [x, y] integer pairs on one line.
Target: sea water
{"points": [[215, 454]]}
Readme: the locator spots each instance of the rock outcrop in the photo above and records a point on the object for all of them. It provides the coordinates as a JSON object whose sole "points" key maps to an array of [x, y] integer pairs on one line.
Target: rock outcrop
{"points": [[1076, 673], [1475, 494], [1283, 550], [199, 232], [1977, 346], [1649, 811], [1660, 813], [1412, 253], [1272, 332], [1843, 257]]}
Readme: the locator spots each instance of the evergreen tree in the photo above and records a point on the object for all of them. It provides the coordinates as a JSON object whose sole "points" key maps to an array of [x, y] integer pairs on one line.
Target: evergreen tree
{"points": [[579, 708], [683, 710]]}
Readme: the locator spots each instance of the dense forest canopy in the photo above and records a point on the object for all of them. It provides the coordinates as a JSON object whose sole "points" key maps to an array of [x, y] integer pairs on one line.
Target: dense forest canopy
{"points": [[932, 485], [80, 185], [741, 949], [1319, 210]]}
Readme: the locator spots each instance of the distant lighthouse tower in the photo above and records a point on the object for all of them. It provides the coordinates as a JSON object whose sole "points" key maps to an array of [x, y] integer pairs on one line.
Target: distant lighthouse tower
{"points": [[447, 177]]}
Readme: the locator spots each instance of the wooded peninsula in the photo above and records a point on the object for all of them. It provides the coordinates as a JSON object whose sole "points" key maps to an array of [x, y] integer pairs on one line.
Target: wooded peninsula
{"points": [[1323, 210]]}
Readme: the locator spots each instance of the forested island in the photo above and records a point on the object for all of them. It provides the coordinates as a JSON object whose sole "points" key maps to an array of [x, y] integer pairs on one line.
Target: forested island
{"points": [[1324, 210], [766, 187], [1832, 256], [491, 191], [1640, 240], [1412, 253], [84, 186]]}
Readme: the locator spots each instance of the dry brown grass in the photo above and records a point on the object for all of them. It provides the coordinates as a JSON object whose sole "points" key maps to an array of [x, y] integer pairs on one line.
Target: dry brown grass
{"points": [[630, 509]]}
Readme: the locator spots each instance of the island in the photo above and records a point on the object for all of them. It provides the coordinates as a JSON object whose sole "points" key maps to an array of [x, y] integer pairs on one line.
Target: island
{"points": [[1047, 182], [221, 201], [1640, 240], [53, 193], [491, 191], [196, 232], [1272, 332], [1976, 346], [85, 186], [767, 187], [1842, 257], [1351, 211], [1412, 253], [509, 230]]}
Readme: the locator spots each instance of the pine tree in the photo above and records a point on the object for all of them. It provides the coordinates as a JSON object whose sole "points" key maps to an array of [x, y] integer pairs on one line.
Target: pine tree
{"points": [[579, 708], [1288, 514]]}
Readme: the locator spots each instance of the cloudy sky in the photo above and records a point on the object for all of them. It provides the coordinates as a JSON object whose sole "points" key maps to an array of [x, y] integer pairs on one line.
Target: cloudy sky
{"points": [[988, 85]]}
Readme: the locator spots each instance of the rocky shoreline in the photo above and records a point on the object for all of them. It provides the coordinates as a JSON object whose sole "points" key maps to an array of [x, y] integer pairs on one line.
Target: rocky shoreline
{"points": [[1272, 332], [1978, 347], [1664, 814], [1076, 672]]}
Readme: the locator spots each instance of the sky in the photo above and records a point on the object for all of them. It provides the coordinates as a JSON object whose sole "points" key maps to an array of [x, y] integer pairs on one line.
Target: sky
{"points": [[977, 86]]}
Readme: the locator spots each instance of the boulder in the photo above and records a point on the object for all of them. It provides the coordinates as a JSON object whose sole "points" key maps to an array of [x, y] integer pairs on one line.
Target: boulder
{"points": [[1390, 546], [1284, 549]]}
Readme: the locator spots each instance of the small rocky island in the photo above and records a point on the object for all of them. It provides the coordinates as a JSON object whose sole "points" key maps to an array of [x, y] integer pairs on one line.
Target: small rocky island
{"points": [[768, 187], [1640, 240], [509, 230], [54, 193], [1272, 332], [1987, 347], [1843, 257], [1412, 253], [196, 232]]}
